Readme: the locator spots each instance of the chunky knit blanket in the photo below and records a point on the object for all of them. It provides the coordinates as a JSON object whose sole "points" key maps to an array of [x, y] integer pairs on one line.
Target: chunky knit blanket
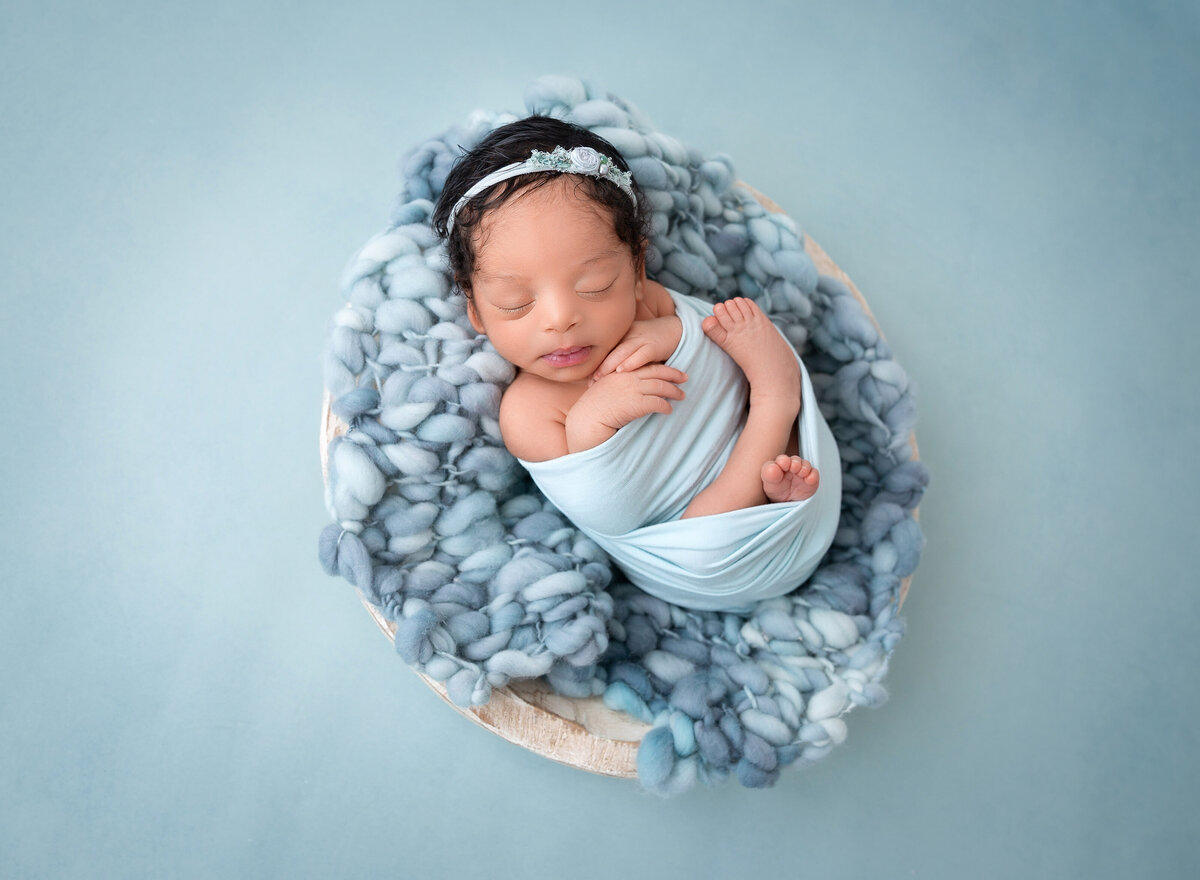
{"points": [[439, 527]]}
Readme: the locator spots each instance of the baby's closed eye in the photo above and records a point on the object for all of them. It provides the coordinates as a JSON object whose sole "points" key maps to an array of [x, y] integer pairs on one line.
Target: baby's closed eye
{"points": [[598, 292]]}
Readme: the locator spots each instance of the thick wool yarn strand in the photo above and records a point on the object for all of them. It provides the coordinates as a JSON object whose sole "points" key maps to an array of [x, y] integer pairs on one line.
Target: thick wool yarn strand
{"points": [[436, 524]]}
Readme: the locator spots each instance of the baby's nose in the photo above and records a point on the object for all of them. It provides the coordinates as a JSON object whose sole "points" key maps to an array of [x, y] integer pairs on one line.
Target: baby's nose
{"points": [[561, 311]]}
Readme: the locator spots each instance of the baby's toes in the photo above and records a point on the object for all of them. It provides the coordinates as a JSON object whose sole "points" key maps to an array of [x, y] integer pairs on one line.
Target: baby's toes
{"points": [[773, 472], [713, 329], [730, 313], [746, 308]]}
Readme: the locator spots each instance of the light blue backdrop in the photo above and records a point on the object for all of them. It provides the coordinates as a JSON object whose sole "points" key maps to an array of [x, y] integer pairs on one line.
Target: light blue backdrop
{"points": [[1015, 188]]}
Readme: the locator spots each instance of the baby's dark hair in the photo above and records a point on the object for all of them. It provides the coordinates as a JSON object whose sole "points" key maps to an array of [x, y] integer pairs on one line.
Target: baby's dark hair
{"points": [[513, 143]]}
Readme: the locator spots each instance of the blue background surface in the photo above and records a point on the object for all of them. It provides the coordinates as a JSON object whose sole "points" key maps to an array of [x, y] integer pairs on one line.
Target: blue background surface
{"points": [[1014, 187]]}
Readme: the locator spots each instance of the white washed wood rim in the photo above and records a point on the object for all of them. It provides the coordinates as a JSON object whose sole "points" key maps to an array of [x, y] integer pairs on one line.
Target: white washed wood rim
{"points": [[579, 732]]}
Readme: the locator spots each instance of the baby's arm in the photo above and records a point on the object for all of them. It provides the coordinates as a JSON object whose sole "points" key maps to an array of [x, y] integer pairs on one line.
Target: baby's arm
{"points": [[541, 420], [615, 400]]}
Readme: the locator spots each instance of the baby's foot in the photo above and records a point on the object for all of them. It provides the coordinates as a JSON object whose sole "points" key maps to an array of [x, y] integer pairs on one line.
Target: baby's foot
{"points": [[789, 478], [747, 335]]}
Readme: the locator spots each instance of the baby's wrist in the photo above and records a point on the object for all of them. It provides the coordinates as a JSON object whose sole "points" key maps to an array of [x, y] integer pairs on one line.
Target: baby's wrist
{"points": [[584, 431], [666, 333]]}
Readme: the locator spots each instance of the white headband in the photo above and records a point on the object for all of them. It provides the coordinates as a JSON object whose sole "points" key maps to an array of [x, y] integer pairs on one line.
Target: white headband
{"points": [[580, 160]]}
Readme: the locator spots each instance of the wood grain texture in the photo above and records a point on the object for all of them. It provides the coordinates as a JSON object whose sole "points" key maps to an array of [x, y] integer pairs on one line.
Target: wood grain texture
{"points": [[581, 733]]}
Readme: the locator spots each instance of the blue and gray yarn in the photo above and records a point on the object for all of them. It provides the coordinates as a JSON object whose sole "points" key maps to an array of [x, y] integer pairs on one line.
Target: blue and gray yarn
{"points": [[439, 527]]}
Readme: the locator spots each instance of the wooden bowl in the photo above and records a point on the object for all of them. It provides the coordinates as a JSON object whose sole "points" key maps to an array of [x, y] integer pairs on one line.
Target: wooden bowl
{"points": [[581, 733]]}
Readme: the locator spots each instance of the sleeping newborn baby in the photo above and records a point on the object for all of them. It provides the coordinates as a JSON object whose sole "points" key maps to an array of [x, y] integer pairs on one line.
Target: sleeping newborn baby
{"points": [[712, 497]]}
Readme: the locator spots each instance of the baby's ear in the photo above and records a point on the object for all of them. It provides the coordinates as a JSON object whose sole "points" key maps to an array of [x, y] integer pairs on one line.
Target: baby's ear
{"points": [[473, 317]]}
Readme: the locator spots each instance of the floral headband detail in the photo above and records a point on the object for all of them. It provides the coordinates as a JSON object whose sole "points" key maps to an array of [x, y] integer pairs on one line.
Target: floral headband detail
{"points": [[580, 160]]}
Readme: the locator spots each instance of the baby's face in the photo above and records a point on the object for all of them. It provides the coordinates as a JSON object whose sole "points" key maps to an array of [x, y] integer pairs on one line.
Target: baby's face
{"points": [[554, 289]]}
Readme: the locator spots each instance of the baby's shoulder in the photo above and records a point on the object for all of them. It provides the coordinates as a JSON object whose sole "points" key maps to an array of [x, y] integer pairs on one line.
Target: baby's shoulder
{"points": [[519, 397], [533, 417], [656, 301]]}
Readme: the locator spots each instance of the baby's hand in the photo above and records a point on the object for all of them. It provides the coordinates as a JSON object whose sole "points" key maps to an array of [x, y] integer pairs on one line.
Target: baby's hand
{"points": [[615, 400], [647, 342]]}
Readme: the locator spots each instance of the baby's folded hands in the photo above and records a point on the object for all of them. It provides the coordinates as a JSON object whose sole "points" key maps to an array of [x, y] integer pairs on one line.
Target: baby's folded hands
{"points": [[619, 398], [615, 400]]}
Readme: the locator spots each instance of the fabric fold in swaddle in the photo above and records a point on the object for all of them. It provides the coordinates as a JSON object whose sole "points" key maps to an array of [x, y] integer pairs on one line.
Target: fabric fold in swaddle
{"points": [[628, 493]]}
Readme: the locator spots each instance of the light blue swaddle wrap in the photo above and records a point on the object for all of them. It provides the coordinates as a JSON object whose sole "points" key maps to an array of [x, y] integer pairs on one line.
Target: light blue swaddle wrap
{"points": [[628, 493]]}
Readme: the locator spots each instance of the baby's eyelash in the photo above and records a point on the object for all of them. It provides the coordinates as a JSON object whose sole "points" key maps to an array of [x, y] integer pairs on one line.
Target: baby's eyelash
{"points": [[516, 309]]}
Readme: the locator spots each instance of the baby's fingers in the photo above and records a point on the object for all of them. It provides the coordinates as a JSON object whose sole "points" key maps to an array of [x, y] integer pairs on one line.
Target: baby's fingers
{"points": [[656, 405], [625, 358], [661, 388], [662, 371]]}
